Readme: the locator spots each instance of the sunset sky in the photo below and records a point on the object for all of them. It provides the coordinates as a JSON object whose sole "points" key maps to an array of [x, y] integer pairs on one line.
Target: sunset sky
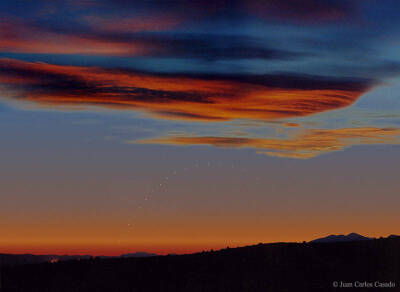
{"points": [[175, 126]]}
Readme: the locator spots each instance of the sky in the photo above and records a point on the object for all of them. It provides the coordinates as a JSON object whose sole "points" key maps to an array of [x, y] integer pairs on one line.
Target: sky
{"points": [[177, 126]]}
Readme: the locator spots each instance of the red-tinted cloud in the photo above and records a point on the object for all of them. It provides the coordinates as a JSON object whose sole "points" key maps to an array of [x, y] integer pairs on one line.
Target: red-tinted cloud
{"points": [[206, 98]]}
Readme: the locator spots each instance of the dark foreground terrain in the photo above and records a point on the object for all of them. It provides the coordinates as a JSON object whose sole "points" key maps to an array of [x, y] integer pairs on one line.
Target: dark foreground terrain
{"points": [[264, 267]]}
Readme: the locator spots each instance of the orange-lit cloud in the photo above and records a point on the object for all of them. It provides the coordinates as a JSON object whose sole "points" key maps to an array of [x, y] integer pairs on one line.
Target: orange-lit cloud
{"points": [[203, 98], [309, 143]]}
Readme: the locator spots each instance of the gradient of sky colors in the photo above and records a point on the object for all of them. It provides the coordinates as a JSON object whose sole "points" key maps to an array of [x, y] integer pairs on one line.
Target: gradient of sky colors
{"points": [[176, 126]]}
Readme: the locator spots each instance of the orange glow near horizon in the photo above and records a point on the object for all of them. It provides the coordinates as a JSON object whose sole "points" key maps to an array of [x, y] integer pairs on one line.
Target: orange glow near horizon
{"points": [[197, 233], [108, 247]]}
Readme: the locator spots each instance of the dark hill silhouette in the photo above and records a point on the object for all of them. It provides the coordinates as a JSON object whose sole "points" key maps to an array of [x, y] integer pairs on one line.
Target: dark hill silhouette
{"points": [[340, 238], [273, 267], [394, 236], [24, 259], [138, 255]]}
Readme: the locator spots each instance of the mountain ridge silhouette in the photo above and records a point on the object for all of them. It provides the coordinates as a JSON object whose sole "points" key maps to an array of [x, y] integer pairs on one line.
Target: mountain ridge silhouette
{"points": [[342, 238]]}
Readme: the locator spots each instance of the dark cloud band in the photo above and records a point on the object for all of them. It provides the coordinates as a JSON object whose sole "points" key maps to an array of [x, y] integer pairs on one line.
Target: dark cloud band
{"points": [[193, 97]]}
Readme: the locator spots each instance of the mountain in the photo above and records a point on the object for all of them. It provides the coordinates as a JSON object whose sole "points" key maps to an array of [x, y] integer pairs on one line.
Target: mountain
{"points": [[341, 238], [300, 267], [138, 255]]}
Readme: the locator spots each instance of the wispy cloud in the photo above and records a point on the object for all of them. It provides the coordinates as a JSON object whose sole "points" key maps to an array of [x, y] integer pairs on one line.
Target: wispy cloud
{"points": [[305, 144]]}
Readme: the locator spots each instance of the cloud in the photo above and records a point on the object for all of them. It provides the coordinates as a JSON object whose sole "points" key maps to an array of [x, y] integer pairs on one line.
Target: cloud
{"points": [[214, 47], [305, 11], [295, 10], [306, 144], [17, 36], [132, 37], [140, 23], [190, 97]]}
